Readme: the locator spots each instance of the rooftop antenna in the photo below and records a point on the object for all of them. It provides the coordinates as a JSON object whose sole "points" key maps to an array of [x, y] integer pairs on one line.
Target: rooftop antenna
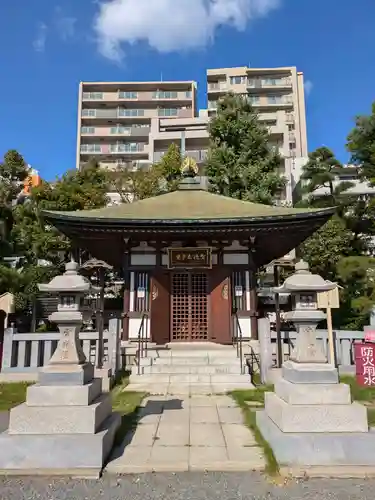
{"points": [[161, 76]]}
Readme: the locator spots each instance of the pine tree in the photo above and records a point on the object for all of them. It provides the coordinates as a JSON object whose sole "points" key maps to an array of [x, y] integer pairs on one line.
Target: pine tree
{"points": [[361, 145]]}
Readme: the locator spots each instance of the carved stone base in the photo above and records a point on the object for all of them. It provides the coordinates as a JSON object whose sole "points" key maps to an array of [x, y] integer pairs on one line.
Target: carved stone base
{"points": [[65, 374]]}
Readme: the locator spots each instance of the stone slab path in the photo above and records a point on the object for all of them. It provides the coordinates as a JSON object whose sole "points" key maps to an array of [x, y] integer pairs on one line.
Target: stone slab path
{"points": [[178, 433]]}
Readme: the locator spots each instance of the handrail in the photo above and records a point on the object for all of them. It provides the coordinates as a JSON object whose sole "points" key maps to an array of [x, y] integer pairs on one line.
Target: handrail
{"points": [[142, 342], [238, 340]]}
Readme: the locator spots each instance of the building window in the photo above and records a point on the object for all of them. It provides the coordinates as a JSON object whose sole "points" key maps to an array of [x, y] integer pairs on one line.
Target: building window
{"points": [[237, 80], [127, 147], [167, 111], [88, 130], [120, 130], [270, 81], [291, 127], [89, 112], [92, 95], [91, 148], [130, 112], [275, 99], [254, 99], [161, 94], [292, 146], [128, 95], [188, 94]]}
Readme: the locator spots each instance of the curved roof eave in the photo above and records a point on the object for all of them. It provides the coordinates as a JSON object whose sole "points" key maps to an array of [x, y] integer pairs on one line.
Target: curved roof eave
{"points": [[67, 219]]}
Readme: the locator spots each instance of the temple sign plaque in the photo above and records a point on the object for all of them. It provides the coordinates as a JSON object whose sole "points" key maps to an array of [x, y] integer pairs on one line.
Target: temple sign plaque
{"points": [[190, 258]]}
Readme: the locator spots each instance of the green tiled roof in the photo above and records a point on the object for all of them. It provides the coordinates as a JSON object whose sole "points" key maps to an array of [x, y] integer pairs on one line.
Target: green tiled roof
{"points": [[184, 205]]}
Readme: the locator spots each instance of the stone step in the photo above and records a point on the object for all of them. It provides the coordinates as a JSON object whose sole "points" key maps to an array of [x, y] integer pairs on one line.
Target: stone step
{"points": [[233, 368], [189, 379], [191, 353], [187, 389], [202, 361]]}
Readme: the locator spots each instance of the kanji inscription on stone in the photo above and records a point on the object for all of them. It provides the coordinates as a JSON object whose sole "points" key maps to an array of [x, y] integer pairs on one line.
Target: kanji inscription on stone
{"points": [[365, 363], [65, 345]]}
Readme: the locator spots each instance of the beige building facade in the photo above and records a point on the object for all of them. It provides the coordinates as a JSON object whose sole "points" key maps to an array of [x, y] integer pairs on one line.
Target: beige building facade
{"points": [[278, 96], [114, 118], [135, 123]]}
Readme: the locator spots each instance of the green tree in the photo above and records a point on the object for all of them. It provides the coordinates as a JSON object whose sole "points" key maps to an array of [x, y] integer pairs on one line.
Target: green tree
{"points": [[321, 172], [13, 172], [77, 190], [241, 161], [81, 189], [170, 165], [134, 184], [361, 145], [356, 275], [326, 247]]}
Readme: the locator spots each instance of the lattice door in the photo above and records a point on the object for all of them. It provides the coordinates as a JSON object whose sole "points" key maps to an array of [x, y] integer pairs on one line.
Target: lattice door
{"points": [[189, 307]]}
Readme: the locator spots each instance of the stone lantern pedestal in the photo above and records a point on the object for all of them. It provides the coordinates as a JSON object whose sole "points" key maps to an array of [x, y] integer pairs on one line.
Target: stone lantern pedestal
{"points": [[66, 426], [310, 420]]}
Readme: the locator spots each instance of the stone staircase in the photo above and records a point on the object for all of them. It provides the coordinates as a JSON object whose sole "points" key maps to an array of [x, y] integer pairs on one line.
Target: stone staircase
{"points": [[189, 369]]}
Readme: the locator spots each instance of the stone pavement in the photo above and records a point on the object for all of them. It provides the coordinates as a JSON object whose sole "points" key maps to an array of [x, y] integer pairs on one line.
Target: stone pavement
{"points": [[178, 433], [4, 420]]}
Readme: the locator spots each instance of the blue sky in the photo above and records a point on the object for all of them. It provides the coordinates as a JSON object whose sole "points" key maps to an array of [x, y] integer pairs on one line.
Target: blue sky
{"points": [[47, 47]]}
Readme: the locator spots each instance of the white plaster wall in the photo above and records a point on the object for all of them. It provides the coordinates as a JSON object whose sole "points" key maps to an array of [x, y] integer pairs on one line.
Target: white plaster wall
{"points": [[143, 259], [247, 290], [245, 327], [134, 325], [235, 258]]}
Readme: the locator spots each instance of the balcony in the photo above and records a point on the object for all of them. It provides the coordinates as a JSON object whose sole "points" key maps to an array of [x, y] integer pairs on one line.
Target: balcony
{"points": [[117, 130], [92, 96], [172, 95], [289, 118], [217, 87], [107, 149], [269, 83], [199, 155]]}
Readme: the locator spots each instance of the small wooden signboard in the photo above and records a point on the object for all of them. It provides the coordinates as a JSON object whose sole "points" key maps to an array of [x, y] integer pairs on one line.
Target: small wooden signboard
{"points": [[190, 258], [364, 356]]}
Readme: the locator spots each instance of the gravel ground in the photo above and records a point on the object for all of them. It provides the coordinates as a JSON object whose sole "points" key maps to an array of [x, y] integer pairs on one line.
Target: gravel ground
{"points": [[185, 486]]}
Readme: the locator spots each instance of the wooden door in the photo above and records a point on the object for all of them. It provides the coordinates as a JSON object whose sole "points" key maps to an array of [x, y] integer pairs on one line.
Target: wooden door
{"points": [[160, 308], [189, 307], [221, 307]]}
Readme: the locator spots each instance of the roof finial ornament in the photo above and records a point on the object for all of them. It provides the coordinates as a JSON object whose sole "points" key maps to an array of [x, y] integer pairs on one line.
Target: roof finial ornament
{"points": [[189, 167]]}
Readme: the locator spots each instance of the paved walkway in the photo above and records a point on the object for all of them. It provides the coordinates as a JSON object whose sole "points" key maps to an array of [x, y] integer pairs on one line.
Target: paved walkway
{"points": [[178, 433]]}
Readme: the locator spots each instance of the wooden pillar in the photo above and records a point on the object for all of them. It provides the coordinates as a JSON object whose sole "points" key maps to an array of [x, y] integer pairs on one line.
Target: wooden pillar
{"points": [[126, 304], [253, 297]]}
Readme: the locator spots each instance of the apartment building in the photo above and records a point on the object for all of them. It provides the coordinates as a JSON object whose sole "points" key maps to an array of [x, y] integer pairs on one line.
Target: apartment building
{"points": [[114, 118], [348, 173], [135, 123], [278, 96]]}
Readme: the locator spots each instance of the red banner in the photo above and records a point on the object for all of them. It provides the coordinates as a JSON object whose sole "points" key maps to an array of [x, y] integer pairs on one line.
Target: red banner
{"points": [[364, 355], [369, 335]]}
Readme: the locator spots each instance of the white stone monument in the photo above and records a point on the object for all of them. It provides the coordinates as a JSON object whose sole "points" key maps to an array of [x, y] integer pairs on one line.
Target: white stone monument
{"points": [[310, 420], [66, 425]]}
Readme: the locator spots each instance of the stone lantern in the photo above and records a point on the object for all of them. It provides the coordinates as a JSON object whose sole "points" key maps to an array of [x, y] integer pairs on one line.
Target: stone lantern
{"points": [[310, 421], [68, 365], [305, 315], [66, 426]]}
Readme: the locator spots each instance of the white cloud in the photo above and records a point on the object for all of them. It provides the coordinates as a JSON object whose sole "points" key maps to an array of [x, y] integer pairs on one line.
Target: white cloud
{"points": [[61, 25], [171, 25], [65, 25], [39, 42], [308, 87]]}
